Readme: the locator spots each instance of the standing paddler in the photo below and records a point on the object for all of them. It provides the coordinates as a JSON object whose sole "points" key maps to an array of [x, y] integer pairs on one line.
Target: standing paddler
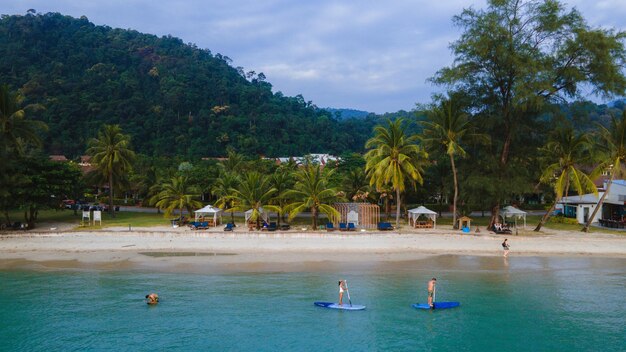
{"points": [[431, 292]]}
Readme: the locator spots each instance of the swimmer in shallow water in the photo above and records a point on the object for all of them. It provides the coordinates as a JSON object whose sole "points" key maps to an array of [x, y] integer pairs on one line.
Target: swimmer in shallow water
{"points": [[152, 298]]}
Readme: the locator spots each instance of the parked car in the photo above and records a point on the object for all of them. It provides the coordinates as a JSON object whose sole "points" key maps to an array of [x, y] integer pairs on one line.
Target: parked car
{"points": [[69, 203]]}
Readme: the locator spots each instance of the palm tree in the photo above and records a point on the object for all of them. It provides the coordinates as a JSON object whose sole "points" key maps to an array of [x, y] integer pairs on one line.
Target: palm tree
{"points": [[254, 192], [15, 128], [16, 131], [394, 159], [281, 180], [355, 184], [178, 194], [313, 192], [565, 152], [235, 162], [111, 154], [222, 190], [612, 145], [447, 129]]}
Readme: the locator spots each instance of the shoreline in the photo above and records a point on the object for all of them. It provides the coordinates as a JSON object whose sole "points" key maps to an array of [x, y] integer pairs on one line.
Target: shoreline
{"points": [[165, 248]]}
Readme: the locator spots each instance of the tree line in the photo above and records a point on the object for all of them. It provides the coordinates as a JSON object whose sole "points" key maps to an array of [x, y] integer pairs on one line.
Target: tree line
{"points": [[502, 133]]}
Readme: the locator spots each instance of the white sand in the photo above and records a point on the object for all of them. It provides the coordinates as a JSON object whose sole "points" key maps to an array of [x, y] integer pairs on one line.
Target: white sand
{"points": [[119, 247]]}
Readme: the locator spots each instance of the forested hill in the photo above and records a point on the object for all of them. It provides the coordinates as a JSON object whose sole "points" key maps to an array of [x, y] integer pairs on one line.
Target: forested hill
{"points": [[172, 98]]}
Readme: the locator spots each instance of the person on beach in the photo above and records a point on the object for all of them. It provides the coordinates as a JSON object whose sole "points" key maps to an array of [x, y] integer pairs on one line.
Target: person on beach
{"points": [[342, 289], [505, 246], [431, 292], [152, 298]]}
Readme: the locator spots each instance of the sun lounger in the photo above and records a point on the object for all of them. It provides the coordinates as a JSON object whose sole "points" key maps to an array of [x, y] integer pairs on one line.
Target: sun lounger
{"points": [[385, 226], [197, 225], [229, 227], [343, 226], [272, 226], [330, 227], [284, 227], [351, 226]]}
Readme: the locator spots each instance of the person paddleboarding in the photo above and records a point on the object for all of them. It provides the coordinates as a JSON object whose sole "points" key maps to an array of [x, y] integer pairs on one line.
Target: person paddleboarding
{"points": [[431, 292], [342, 288]]}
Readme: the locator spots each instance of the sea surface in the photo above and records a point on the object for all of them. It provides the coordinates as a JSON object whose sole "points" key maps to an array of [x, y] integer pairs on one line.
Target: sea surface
{"points": [[515, 304]]}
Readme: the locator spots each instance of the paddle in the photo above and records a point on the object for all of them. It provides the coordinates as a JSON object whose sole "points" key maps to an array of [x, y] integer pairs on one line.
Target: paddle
{"points": [[348, 292]]}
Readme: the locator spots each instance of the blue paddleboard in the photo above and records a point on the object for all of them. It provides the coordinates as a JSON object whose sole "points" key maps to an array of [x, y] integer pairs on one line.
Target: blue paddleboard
{"points": [[345, 306], [438, 305]]}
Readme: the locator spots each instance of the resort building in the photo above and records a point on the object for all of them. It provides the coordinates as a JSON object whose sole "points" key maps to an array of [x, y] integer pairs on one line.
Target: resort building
{"points": [[321, 159], [612, 212]]}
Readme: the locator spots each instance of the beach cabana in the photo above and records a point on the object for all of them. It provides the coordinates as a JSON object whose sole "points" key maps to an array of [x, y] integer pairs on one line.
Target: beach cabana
{"points": [[210, 214], [513, 212], [362, 215], [262, 214], [415, 213]]}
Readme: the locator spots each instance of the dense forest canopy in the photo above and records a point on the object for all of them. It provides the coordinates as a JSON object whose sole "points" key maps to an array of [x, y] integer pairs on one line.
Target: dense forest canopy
{"points": [[172, 98]]}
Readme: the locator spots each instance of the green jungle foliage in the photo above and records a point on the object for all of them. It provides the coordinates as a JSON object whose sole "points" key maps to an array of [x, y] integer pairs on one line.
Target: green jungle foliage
{"points": [[172, 98], [175, 99]]}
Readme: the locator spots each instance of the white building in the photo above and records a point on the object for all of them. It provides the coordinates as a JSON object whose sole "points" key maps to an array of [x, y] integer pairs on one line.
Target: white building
{"points": [[321, 159], [581, 207]]}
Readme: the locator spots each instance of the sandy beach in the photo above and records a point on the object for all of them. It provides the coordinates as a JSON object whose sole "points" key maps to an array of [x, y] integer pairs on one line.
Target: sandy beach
{"points": [[165, 247]]}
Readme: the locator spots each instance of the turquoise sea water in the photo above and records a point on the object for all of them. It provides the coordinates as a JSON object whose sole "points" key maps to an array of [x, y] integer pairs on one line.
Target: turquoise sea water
{"points": [[522, 304]]}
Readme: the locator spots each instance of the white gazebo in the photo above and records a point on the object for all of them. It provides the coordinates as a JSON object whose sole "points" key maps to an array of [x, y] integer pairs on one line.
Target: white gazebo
{"points": [[415, 213], [513, 212], [262, 214], [212, 213]]}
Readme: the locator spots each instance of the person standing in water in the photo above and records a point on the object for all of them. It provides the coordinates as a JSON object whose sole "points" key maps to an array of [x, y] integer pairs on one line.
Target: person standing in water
{"points": [[505, 247], [431, 292], [342, 289]]}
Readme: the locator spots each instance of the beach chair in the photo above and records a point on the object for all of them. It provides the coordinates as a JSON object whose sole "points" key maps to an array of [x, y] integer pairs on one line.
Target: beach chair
{"points": [[385, 226], [343, 226], [203, 225], [272, 226], [284, 227], [229, 227], [330, 227], [351, 226], [193, 225]]}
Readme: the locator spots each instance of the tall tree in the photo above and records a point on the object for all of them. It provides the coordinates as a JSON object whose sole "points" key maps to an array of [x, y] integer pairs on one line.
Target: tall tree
{"points": [[254, 193], [281, 180], [17, 132], [612, 144], [112, 156], [178, 194], [565, 153], [517, 55], [355, 184], [447, 129], [222, 190], [394, 159], [313, 192]]}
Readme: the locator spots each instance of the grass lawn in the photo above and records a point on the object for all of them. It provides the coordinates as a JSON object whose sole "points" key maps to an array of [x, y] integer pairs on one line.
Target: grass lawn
{"points": [[136, 219], [120, 219]]}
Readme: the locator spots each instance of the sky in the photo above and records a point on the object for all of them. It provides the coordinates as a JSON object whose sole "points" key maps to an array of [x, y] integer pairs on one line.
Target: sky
{"points": [[368, 55]]}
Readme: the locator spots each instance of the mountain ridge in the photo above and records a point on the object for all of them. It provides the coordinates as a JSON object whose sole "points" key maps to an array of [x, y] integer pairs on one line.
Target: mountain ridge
{"points": [[172, 98]]}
